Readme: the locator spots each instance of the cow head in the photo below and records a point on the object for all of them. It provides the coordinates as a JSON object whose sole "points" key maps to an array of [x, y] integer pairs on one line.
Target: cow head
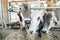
{"points": [[25, 15], [37, 17]]}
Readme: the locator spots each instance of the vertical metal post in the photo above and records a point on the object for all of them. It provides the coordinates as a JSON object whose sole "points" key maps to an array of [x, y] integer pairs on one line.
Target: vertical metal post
{"points": [[2, 14], [9, 13], [38, 3]]}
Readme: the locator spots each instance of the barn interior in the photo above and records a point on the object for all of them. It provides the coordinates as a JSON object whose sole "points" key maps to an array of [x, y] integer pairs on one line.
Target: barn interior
{"points": [[9, 24]]}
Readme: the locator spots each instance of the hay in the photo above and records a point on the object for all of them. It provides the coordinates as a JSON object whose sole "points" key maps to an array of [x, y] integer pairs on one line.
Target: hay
{"points": [[19, 36], [49, 36], [15, 36]]}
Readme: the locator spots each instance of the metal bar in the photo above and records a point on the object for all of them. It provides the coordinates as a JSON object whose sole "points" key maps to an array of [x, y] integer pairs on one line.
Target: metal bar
{"points": [[2, 14], [55, 28], [44, 8], [38, 3]]}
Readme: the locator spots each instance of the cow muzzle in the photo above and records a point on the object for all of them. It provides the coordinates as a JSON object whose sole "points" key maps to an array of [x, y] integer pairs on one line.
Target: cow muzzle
{"points": [[27, 21]]}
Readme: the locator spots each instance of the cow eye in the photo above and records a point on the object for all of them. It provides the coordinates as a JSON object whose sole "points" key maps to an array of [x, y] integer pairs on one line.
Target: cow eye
{"points": [[38, 18]]}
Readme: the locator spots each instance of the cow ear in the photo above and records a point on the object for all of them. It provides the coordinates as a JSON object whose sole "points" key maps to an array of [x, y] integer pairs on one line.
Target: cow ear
{"points": [[38, 18]]}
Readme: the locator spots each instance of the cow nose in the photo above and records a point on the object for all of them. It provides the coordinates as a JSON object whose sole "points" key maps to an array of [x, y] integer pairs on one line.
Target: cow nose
{"points": [[27, 21], [44, 31]]}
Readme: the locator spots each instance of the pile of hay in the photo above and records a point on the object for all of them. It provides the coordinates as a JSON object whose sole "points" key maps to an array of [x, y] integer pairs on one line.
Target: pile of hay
{"points": [[16, 35], [19, 36]]}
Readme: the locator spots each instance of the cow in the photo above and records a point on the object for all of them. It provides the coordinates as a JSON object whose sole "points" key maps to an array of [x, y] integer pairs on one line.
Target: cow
{"points": [[50, 20]]}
